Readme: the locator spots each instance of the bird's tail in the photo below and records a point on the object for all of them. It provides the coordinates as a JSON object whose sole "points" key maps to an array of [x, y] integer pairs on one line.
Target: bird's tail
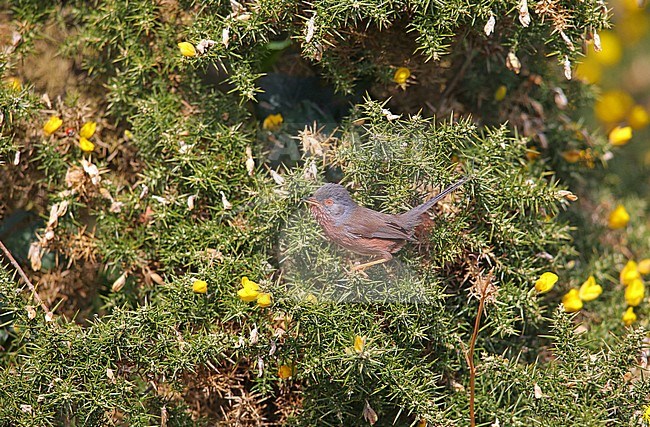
{"points": [[418, 210]]}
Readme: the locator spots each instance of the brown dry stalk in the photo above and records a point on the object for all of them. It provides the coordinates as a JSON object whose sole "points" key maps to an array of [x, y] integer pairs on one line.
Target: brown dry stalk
{"points": [[48, 314], [469, 356], [486, 291]]}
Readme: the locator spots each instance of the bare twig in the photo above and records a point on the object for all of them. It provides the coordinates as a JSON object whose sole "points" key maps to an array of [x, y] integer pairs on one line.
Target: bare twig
{"points": [[48, 314], [486, 291], [470, 359]]}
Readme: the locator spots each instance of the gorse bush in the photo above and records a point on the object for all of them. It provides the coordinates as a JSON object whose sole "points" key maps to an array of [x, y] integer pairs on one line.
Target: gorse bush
{"points": [[154, 200]]}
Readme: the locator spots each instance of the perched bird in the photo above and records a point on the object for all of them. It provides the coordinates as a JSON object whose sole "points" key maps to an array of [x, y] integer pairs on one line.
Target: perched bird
{"points": [[365, 231]]}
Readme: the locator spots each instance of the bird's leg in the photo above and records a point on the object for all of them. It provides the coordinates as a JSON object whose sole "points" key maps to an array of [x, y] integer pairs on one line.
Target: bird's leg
{"points": [[381, 260]]}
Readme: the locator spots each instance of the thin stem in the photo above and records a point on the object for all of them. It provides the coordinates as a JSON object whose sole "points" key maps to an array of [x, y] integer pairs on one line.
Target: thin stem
{"points": [[48, 313], [470, 360]]}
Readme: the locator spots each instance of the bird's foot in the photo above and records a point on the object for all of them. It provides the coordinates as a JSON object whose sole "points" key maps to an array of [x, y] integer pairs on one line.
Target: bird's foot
{"points": [[362, 267]]}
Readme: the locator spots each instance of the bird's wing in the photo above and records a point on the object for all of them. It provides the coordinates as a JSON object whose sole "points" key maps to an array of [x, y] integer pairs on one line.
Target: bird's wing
{"points": [[373, 224]]}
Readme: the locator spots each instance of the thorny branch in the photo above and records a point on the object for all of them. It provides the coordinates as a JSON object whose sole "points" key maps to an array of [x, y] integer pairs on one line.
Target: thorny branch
{"points": [[48, 314]]}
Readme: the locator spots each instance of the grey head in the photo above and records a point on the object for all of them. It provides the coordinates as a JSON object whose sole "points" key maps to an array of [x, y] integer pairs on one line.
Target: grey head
{"points": [[332, 199]]}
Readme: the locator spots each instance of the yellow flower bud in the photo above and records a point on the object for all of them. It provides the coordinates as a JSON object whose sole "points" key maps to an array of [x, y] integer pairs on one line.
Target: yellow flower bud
{"points": [[634, 293], [629, 316], [264, 300], [187, 49], [618, 218], [629, 273], [620, 135], [52, 125], [644, 266], [572, 301], [284, 372], [86, 145], [590, 290], [273, 122], [200, 286], [545, 282], [500, 93], [88, 130], [401, 75], [359, 344]]}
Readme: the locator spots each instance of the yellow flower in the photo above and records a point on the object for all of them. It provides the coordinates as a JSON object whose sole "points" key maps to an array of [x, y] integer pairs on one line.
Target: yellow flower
{"points": [[646, 413], [52, 125], [247, 295], [618, 218], [545, 282], [401, 75], [200, 286], [285, 372], [620, 135], [629, 273], [613, 106], [273, 122], [14, 83], [250, 290], [88, 130], [86, 145], [638, 117], [264, 300], [587, 157], [187, 49], [249, 284], [589, 71], [632, 6], [572, 156], [572, 301], [359, 344], [629, 316], [500, 93], [644, 266], [590, 290], [311, 298], [634, 293], [612, 51], [128, 135], [532, 153]]}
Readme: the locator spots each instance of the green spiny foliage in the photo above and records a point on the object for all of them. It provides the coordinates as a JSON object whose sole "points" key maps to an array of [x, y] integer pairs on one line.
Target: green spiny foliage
{"points": [[176, 203], [16, 105], [584, 386]]}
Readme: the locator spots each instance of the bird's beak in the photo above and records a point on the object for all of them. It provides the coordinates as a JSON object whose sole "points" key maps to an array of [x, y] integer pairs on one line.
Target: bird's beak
{"points": [[310, 201]]}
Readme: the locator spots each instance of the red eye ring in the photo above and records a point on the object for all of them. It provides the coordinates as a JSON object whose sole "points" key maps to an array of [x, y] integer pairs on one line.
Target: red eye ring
{"points": [[328, 202]]}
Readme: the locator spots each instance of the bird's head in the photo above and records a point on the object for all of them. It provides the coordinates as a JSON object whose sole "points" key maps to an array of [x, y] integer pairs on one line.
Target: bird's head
{"points": [[331, 200]]}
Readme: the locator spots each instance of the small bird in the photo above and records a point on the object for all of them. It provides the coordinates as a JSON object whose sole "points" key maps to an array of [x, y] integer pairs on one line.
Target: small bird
{"points": [[365, 231]]}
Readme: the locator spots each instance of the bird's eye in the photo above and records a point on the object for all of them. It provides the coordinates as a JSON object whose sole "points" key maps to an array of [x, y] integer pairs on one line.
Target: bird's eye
{"points": [[328, 202]]}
